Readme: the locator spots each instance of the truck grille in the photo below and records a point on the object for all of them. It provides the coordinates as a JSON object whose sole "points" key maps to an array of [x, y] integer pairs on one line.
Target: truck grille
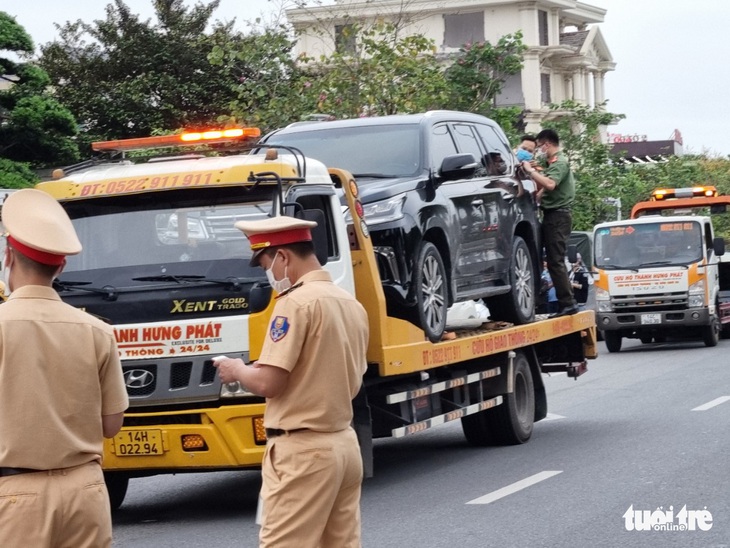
{"points": [[172, 380], [651, 302]]}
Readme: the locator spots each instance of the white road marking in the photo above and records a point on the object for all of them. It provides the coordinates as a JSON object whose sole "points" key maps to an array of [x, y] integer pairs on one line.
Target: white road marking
{"points": [[711, 404], [552, 417], [515, 487]]}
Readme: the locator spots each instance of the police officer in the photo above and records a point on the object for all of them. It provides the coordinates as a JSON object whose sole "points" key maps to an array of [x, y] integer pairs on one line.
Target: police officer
{"points": [[557, 190], [61, 390], [311, 367]]}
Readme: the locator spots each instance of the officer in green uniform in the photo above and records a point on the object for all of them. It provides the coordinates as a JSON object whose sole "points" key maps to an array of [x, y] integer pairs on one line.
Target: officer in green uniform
{"points": [[557, 185]]}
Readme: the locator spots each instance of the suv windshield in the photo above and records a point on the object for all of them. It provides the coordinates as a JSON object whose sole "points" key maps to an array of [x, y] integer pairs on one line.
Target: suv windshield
{"points": [[658, 244], [383, 150]]}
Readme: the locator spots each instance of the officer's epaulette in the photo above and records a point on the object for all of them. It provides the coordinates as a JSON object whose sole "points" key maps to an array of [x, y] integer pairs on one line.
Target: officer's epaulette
{"points": [[292, 288]]}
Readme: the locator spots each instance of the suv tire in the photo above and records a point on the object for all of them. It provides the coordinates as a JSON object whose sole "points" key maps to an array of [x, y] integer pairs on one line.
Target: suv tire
{"points": [[430, 282], [517, 306]]}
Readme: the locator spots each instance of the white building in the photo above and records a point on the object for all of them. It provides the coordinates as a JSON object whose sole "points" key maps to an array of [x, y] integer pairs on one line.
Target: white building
{"points": [[567, 57]]}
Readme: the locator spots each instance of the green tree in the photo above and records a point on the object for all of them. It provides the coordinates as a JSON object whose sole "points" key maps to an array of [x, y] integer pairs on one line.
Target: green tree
{"points": [[269, 87], [480, 70], [385, 73], [36, 129], [125, 77]]}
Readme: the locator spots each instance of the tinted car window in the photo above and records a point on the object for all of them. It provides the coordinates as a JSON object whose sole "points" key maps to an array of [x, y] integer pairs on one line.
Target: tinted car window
{"points": [[393, 149], [499, 154], [442, 145]]}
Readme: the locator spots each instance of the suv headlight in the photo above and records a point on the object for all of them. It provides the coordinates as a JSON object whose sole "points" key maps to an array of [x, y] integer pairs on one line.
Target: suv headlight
{"points": [[697, 294], [384, 211], [603, 300]]}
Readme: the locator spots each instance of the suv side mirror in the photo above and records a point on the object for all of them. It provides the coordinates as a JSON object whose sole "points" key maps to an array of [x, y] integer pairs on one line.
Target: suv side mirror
{"points": [[458, 166]]}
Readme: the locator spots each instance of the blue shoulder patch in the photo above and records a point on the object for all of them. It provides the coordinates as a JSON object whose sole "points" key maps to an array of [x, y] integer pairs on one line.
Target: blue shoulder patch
{"points": [[279, 328]]}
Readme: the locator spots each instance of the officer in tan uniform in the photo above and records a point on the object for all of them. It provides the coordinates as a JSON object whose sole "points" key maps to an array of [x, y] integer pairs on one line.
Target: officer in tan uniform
{"points": [[61, 390], [311, 367]]}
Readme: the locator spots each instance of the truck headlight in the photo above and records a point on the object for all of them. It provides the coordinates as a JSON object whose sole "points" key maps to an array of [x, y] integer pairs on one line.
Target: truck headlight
{"points": [[697, 294], [603, 300], [384, 211]]}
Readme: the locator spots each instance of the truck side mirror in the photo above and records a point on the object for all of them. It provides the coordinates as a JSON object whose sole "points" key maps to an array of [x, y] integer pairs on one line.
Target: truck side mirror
{"points": [[718, 246], [573, 254], [319, 232]]}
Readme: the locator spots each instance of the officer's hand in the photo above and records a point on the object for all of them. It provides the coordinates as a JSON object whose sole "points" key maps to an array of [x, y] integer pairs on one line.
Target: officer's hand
{"points": [[229, 368]]}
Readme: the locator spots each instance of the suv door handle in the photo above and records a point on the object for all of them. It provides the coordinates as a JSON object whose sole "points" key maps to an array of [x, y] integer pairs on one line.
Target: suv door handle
{"points": [[478, 202]]}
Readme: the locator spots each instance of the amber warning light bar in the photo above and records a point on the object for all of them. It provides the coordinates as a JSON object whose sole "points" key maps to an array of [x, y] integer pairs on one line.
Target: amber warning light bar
{"points": [[181, 139], [673, 193]]}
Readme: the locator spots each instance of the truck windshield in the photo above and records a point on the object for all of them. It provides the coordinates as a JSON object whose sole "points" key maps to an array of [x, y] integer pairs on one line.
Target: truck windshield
{"points": [[376, 151], [167, 236], [649, 244]]}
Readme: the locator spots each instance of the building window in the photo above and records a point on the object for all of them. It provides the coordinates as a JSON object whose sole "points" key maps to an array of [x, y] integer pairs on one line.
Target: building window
{"points": [[345, 39], [545, 88], [463, 28], [542, 27]]}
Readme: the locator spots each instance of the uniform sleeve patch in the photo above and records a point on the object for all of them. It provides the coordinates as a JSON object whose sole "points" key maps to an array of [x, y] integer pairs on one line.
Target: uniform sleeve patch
{"points": [[279, 328]]}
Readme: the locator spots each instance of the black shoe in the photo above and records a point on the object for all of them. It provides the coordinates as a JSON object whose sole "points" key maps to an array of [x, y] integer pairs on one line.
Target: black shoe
{"points": [[565, 311]]}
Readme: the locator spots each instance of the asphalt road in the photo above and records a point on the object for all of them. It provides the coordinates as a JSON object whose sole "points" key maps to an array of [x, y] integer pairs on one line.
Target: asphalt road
{"points": [[645, 429]]}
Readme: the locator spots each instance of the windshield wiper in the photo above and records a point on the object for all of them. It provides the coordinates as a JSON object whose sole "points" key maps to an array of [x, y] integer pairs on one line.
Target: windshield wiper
{"points": [[662, 263], [616, 267], [374, 175], [231, 281], [110, 292]]}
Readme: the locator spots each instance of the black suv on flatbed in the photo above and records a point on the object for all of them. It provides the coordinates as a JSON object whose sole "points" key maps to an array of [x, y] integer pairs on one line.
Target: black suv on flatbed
{"points": [[449, 218]]}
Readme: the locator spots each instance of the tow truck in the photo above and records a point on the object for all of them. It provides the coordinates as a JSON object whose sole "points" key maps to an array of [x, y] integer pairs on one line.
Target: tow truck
{"points": [[662, 272], [163, 263]]}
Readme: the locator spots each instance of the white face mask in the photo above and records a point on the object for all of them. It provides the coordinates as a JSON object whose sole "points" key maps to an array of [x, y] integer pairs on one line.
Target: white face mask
{"points": [[278, 285]]}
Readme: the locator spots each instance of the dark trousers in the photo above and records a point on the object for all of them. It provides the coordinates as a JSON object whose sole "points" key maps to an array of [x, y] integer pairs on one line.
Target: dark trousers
{"points": [[556, 227]]}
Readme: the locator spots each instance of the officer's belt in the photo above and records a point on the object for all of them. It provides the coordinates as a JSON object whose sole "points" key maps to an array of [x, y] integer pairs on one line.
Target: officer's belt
{"points": [[275, 432], [15, 471]]}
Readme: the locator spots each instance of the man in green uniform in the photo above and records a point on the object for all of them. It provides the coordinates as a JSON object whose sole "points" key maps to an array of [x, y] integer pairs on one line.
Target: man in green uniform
{"points": [[310, 369], [61, 390], [557, 187]]}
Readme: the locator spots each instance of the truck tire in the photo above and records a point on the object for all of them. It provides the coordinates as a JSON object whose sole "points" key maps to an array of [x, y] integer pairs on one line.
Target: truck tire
{"points": [[517, 306], [430, 281], [612, 340], [116, 485], [711, 332], [510, 423]]}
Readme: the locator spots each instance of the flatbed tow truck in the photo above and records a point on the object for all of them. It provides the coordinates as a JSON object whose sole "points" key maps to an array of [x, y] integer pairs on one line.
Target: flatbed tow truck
{"points": [[163, 264]]}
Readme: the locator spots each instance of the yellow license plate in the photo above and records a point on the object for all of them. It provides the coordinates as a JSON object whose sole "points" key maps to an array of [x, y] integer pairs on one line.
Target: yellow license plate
{"points": [[135, 443]]}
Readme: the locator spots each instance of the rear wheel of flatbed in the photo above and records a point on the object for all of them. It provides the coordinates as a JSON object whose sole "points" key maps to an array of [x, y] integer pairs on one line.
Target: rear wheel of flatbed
{"points": [[510, 423], [116, 485]]}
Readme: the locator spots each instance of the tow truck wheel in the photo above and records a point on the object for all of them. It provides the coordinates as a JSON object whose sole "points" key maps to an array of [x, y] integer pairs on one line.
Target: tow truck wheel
{"points": [[518, 305], [510, 423], [116, 485], [431, 298], [711, 333], [612, 340]]}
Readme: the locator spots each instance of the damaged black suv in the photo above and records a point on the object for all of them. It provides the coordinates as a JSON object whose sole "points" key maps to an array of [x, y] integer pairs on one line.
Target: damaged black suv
{"points": [[449, 217]]}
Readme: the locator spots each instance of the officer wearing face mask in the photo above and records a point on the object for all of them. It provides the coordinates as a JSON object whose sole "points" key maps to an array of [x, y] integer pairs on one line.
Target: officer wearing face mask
{"points": [[61, 390], [310, 369]]}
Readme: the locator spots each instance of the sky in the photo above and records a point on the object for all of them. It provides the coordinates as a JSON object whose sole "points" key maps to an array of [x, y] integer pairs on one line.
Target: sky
{"points": [[671, 59]]}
